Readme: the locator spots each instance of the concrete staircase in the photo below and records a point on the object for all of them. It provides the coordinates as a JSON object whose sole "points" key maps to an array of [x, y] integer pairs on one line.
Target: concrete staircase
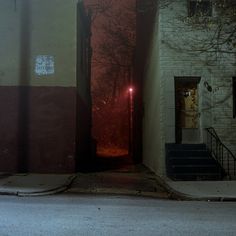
{"points": [[191, 162]]}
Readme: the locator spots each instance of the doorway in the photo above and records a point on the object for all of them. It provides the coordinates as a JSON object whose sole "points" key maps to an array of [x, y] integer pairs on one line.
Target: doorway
{"points": [[187, 110]]}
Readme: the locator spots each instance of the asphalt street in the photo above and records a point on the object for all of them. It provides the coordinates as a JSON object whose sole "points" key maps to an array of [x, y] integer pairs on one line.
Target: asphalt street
{"points": [[70, 214]]}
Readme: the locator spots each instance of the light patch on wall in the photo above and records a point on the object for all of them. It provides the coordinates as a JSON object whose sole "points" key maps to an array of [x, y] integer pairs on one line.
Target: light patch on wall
{"points": [[44, 65]]}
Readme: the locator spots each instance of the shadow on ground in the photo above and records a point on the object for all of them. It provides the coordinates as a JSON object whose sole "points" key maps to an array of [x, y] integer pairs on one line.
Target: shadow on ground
{"points": [[116, 163]]}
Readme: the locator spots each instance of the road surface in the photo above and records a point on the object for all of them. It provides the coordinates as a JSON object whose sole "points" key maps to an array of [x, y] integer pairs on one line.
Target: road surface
{"points": [[72, 215]]}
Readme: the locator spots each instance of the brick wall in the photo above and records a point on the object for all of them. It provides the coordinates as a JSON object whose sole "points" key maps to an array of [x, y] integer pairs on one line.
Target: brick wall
{"points": [[177, 59], [170, 54]]}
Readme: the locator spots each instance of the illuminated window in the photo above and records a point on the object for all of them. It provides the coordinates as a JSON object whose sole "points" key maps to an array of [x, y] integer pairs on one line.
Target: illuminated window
{"points": [[234, 97], [199, 8]]}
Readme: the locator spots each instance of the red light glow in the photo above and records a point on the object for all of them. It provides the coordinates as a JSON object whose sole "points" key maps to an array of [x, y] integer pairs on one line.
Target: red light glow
{"points": [[131, 90]]}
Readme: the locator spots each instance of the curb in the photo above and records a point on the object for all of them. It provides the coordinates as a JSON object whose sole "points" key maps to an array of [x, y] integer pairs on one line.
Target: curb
{"points": [[59, 189], [118, 191], [175, 194]]}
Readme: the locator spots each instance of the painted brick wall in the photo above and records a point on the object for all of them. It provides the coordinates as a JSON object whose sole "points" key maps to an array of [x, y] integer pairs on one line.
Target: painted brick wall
{"points": [[170, 55], [149, 69], [40, 113], [176, 60]]}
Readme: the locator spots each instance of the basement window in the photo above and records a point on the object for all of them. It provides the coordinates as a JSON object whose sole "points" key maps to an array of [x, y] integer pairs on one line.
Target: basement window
{"points": [[198, 8], [234, 97]]}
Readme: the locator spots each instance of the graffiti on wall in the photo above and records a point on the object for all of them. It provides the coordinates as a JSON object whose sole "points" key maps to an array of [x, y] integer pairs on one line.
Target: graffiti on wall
{"points": [[44, 65]]}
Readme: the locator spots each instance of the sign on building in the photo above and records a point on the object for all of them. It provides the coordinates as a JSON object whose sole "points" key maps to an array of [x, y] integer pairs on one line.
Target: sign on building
{"points": [[44, 65]]}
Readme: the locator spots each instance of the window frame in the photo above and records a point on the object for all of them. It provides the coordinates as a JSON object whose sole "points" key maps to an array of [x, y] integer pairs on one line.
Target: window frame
{"points": [[193, 14], [234, 96]]}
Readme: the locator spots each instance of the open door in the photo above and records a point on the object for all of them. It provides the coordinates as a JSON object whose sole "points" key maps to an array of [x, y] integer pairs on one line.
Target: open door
{"points": [[186, 110]]}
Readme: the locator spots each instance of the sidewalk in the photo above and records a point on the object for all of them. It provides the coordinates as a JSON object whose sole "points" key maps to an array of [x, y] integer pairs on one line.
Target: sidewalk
{"points": [[131, 180], [34, 184], [135, 181], [203, 190]]}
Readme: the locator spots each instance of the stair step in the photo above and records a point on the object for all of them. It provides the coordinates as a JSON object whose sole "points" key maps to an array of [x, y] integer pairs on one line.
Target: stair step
{"points": [[197, 176], [195, 169], [193, 166], [191, 161], [173, 146], [188, 153]]}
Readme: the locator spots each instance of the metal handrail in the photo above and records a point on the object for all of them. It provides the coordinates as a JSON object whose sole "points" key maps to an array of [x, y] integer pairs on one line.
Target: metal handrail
{"points": [[221, 153]]}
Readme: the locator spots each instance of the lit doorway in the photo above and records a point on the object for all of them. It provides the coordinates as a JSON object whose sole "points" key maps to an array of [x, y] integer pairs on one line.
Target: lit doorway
{"points": [[187, 110]]}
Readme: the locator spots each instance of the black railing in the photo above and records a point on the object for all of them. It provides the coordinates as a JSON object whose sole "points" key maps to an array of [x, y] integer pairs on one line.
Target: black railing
{"points": [[221, 153]]}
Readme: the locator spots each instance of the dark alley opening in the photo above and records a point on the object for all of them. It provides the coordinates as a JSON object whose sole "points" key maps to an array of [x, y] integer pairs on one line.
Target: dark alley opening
{"points": [[113, 42]]}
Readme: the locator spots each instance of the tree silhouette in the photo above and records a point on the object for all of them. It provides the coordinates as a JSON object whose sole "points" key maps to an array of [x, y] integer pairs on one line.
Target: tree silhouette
{"points": [[216, 31]]}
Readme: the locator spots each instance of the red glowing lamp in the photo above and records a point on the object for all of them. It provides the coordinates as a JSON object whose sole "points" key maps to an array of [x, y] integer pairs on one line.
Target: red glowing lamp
{"points": [[131, 89]]}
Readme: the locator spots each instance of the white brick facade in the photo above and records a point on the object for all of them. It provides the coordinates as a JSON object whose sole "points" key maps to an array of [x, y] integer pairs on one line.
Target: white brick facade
{"points": [[176, 59]]}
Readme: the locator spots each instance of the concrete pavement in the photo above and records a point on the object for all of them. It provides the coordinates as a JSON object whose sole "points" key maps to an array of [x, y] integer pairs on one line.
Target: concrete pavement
{"points": [[131, 180], [137, 183], [203, 190], [34, 184]]}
